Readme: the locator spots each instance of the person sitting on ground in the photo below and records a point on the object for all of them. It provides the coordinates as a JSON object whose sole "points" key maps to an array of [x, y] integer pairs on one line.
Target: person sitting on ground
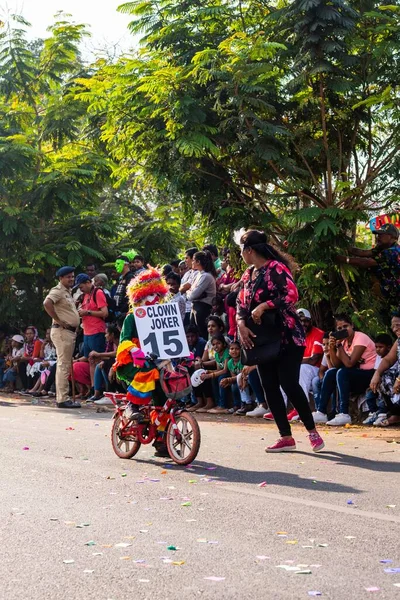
{"points": [[12, 363], [375, 400], [41, 368], [221, 357], [242, 399], [312, 356], [94, 312], [173, 282], [31, 355], [103, 363], [196, 343], [386, 380], [326, 364], [3, 352], [204, 392], [353, 362]]}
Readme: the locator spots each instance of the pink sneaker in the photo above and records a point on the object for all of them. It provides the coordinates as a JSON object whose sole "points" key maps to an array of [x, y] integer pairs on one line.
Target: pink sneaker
{"points": [[292, 416], [269, 416], [316, 441], [282, 446]]}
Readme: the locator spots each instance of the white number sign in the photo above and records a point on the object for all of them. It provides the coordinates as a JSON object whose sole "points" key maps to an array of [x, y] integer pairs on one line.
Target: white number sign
{"points": [[160, 329]]}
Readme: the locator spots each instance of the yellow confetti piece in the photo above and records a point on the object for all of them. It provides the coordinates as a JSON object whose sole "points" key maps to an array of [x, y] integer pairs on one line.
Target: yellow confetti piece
{"points": [[291, 542], [281, 533], [106, 545], [129, 537], [125, 558], [202, 541], [178, 562]]}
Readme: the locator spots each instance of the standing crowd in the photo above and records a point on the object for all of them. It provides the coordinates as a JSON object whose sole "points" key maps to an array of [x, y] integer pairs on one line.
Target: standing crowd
{"points": [[240, 365]]}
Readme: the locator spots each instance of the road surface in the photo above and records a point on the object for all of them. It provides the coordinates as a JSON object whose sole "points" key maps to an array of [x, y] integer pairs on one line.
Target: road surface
{"points": [[78, 523]]}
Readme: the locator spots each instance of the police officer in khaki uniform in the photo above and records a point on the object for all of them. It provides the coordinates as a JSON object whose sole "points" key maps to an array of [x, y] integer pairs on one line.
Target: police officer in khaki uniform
{"points": [[61, 308]]}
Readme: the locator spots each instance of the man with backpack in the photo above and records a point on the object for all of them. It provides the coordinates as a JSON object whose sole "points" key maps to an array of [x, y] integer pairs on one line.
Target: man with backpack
{"points": [[94, 312]]}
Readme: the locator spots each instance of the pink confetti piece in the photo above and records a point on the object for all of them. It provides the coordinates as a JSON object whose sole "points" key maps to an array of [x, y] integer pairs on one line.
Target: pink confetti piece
{"points": [[371, 589], [25, 448], [215, 578], [262, 484]]}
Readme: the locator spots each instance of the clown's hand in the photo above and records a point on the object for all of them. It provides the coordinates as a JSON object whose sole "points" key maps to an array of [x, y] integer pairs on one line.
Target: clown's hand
{"points": [[138, 357]]}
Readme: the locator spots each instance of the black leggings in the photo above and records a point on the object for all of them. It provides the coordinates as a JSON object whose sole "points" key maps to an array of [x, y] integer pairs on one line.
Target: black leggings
{"points": [[285, 372], [200, 312]]}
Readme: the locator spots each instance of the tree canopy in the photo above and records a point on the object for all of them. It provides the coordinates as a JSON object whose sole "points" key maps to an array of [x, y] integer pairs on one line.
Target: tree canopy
{"points": [[230, 114]]}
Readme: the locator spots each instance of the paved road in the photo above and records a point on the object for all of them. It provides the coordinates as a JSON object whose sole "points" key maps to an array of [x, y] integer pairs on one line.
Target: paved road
{"points": [[69, 498]]}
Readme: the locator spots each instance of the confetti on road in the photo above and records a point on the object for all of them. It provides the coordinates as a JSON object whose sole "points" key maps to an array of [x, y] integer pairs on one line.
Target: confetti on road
{"points": [[262, 484], [386, 561], [314, 593], [174, 548], [69, 561], [122, 545], [215, 578], [25, 448], [186, 504], [262, 557], [392, 570], [90, 543], [371, 589], [88, 571], [350, 502]]}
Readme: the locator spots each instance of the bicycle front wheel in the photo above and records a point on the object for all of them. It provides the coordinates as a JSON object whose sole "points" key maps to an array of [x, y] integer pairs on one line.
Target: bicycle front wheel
{"points": [[183, 448], [123, 446]]}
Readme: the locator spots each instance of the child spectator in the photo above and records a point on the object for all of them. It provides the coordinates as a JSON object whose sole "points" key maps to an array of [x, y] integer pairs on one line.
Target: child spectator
{"points": [[242, 400], [195, 342], [218, 308], [12, 361], [221, 357], [41, 368], [173, 282], [326, 364], [376, 405]]}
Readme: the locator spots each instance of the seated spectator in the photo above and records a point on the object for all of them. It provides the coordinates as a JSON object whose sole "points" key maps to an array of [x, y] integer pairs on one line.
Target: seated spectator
{"points": [[312, 356], [81, 372], [12, 363], [386, 380], [31, 354], [326, 364], [375, 401], [353, 361], [41, 368], [204, 392], [221, 357], [173, 282], [202, 290], [195, 342], [242, 401], [103, 362], [3, 352], [251, 375]]}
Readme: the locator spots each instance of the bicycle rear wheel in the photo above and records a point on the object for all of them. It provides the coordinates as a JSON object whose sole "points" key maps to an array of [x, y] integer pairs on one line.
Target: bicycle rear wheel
{"points": [[124, 447], [183, 451]]}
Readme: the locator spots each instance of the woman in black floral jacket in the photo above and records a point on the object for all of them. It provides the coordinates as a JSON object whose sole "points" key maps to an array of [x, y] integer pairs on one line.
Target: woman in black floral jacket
{"points": [[275, 290]]}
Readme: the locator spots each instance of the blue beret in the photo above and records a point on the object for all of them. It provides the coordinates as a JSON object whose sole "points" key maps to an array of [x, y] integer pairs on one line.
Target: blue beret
{"points": [[82, 278], [64, 271]]}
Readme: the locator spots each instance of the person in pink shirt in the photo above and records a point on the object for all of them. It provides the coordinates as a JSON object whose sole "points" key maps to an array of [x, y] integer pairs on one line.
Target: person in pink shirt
{"points": [[94, 313], [353, 359]]}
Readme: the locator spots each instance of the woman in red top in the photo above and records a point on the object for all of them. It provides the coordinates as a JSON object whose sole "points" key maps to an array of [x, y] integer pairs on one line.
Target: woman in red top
{"points": [[275, 290]]}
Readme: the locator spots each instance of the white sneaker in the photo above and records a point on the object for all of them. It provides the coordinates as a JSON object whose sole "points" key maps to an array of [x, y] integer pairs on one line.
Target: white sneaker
{"points": [[370, 420], [381, 417], [320, 417], [260, 411], [340, 419], [103, 401]]}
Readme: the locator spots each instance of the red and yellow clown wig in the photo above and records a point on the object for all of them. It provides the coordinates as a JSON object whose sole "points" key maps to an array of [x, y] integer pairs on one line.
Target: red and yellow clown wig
{"points": [[147, 288]]}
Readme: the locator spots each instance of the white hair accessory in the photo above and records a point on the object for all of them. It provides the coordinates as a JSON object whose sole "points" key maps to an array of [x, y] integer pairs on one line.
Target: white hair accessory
{"points": [[237, 236]]}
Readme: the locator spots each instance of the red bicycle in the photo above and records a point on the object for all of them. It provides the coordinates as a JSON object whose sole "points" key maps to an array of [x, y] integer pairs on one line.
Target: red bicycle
{"points": [[181, 435]]}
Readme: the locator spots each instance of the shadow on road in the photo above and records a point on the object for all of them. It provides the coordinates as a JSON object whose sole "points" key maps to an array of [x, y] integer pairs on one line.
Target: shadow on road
{"points": [[224, 474], [358, 462]]}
